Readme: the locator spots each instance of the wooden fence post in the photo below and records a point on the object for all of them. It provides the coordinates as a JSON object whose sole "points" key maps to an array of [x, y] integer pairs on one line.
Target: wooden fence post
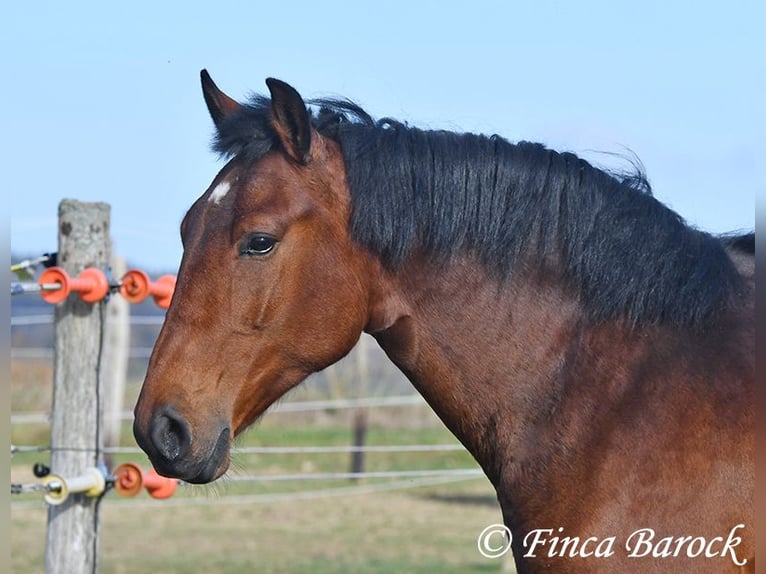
{"points": [[115, 363], [72, 538], [360, 389]]}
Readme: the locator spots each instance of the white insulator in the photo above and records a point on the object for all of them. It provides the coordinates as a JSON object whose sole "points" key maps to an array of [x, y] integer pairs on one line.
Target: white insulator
{"points": [[91, 484]]}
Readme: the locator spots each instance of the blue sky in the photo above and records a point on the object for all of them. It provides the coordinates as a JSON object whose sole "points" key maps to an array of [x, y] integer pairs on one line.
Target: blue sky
{"points": [[102, 102]]}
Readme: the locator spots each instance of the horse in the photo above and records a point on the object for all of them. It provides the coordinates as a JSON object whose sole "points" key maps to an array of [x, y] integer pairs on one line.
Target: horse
{"points": [[591, 350]]}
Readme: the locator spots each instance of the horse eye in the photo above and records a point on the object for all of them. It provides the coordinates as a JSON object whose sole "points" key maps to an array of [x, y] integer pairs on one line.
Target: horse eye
{"points": [[257, 244]]}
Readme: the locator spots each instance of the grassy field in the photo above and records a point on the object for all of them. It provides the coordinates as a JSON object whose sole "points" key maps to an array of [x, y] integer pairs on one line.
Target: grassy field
{"points": [[430, 529], [329, 526]]}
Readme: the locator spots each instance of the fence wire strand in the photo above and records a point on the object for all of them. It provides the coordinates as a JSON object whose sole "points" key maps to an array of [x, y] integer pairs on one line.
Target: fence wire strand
{"points": [[255, 450]]}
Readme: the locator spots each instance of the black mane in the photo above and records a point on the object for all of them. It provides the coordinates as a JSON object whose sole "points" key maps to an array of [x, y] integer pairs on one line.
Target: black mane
{"points": [[442, 192]]}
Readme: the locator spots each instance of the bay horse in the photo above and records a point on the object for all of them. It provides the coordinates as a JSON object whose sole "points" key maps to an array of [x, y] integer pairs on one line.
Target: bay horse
{"points": [[592, 351]]}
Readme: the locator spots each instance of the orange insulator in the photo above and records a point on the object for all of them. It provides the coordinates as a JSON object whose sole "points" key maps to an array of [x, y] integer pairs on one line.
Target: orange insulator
{"points": [[136, 286], [127, 479], [159, 486], [130, 479], [91, 284]]}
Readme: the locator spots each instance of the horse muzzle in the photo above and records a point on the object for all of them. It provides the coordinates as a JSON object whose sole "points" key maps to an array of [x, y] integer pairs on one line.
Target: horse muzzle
{"points": [[176, 451]]}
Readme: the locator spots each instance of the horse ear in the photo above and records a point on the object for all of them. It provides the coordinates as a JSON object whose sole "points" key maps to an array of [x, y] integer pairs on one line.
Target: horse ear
{"points": [[291, 119], [218, 104]]}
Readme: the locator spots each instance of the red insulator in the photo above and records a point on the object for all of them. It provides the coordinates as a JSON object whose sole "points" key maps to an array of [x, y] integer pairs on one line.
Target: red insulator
{"points": [[91, 284], [136, 286]]}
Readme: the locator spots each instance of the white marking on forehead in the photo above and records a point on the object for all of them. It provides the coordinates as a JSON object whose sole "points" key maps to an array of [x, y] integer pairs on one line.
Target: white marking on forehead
{"points": [[220, 192]]}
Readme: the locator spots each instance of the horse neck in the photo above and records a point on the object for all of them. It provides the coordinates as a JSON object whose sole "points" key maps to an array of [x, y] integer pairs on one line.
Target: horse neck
{"points": [[477, 349], [490, 358]]}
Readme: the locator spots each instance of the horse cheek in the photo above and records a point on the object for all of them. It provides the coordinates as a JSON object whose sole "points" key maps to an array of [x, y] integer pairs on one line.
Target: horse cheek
{"points": [[333, 314]]}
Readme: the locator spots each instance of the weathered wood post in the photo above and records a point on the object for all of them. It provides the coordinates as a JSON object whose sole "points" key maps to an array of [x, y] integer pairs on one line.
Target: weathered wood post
{"points": [[360, 390], [115, 363], [71, 545]]}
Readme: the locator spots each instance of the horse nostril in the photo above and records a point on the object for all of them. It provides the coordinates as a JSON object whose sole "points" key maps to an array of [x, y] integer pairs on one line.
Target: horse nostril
{"points": [[170, 434]]}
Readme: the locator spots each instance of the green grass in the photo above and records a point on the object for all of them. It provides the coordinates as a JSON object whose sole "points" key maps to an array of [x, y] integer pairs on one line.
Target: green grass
{"points": [[232, 527], [425, 529]]}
